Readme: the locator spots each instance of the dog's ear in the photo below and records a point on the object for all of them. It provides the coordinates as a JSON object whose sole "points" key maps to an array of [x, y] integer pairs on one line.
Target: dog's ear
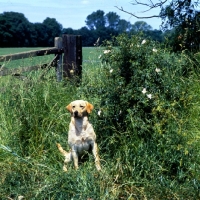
{"points": [[69, 108], [89, 107]]}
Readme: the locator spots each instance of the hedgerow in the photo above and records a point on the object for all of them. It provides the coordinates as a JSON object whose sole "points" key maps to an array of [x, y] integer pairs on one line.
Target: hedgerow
{"points": [[144, 102]]}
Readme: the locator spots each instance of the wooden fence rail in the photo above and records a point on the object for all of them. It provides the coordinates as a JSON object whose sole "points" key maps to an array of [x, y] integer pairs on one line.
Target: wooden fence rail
{"points": [[30, 54], [69, 65], [19, 70]]}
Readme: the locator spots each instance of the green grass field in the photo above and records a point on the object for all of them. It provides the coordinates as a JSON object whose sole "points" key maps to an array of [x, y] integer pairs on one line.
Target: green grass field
{"points": [[5, 51], [148, 145], [90, 54]]}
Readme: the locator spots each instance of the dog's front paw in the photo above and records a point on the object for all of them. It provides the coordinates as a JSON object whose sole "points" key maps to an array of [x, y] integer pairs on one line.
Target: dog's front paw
{"points": [[64, 168], [98, 166]]}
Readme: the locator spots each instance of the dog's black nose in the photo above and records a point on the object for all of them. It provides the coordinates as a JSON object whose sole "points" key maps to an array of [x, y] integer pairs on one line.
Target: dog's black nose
{"points": [[76, 113]]}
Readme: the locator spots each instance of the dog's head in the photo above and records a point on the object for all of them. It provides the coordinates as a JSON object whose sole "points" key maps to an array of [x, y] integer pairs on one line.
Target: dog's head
{"points": [[80, 108]]}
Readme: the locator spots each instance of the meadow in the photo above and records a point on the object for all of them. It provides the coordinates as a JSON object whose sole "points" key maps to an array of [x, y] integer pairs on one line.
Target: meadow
{"points": [[146, 117], [89, 55]]}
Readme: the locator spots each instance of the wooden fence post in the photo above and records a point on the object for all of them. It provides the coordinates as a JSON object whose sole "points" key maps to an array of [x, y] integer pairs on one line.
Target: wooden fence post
{"points": [[58, 44], [72, 59]]}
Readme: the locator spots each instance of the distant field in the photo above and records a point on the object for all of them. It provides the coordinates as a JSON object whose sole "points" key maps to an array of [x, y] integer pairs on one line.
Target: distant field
{"points": [[89, 54], [5, 51], [92, 53]]}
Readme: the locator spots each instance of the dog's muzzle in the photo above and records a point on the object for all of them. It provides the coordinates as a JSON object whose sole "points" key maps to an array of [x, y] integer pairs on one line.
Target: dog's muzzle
{"points": [[76, 113]]}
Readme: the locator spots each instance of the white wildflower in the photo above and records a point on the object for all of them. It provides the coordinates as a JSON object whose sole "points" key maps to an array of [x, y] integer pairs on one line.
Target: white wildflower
{"points": [[144, 90], [111, 70], [138, 45], [143, 41], [149, 96], [106, 51], [157, 70], [155, 50], [99, 112], [99, 56], [20, 197]]}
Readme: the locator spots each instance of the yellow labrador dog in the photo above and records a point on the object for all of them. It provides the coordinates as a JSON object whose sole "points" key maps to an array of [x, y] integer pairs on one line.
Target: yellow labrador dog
{"points": [[81, 135]]}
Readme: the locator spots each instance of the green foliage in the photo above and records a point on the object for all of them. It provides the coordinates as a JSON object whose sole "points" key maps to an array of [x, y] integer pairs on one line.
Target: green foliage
{"points": [[53, 29], [183, 17], [96, 20], [17, 31], [143, 100], [149, 144], [148, 87], [14, 27]]}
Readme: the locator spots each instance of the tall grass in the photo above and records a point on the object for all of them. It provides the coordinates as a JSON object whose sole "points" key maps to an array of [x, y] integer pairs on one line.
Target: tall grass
{"points": [[149, 148]]}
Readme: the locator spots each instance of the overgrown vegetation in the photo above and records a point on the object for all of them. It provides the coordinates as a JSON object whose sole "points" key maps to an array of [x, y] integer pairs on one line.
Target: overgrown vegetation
{"points": [[146, 118]]}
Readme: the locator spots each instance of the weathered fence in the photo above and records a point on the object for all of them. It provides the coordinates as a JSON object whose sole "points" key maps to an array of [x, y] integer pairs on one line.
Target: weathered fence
{"points": [[67, 61]]}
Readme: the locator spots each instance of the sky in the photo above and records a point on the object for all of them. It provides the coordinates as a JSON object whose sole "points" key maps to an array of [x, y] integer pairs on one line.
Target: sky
{"points": [[73, 13]]}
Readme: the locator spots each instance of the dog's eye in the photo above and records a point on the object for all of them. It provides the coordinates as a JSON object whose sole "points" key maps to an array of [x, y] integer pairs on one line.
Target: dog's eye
{"points": [[73, 106], [82, 107]]}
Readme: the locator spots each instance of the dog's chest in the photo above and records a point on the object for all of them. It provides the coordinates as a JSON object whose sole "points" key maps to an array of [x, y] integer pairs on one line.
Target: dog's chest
{"points": [[81, 135], [80, 142]]}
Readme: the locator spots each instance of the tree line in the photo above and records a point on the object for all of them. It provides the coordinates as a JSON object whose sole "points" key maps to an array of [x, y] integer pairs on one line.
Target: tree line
{"points": [[179, 29], [17, 31], [180, 21]]}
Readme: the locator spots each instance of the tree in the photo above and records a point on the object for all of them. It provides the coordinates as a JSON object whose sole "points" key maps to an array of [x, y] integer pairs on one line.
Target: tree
{"points": [[88, 36], [181, 15], [112, 20], [141, 26], [15, 30], [67, 31], [173, 14], [42, 34], [54, 29], [185, 21], [156, 35], [177, 12], [123, 26], [104, 26], [96, 20]]}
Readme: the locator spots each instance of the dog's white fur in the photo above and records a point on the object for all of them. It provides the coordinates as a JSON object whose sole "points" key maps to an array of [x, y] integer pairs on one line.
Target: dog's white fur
{"points": [[81, 135]]}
